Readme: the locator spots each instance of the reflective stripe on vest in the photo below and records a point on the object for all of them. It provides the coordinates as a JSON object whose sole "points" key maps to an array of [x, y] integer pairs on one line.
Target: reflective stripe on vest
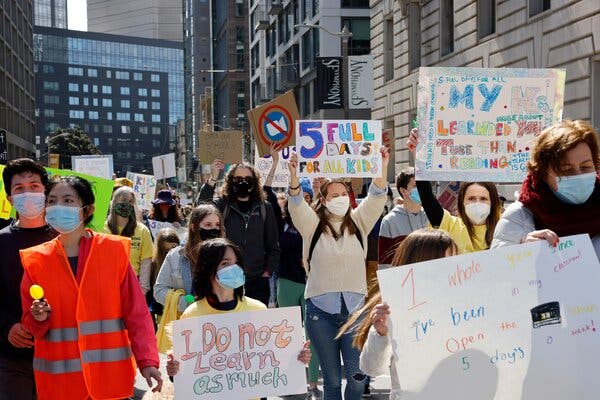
{"points": [[101, 326], [111, 355], [56, 366], [61, 335]]}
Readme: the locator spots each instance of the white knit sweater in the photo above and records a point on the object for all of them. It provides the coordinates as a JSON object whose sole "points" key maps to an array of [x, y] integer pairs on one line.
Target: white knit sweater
{"points": [[377, 358], [336, 265]]}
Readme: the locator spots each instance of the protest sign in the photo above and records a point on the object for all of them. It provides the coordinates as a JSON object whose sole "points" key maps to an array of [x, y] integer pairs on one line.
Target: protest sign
{"points": [[144, 187], [225, 145], [3, 152], [480, 124], [243, 355], [282, 173], [95, 165], [339, 148], [163, 166], [274, 122], [448, 198], [513, 323], [156, 226]]}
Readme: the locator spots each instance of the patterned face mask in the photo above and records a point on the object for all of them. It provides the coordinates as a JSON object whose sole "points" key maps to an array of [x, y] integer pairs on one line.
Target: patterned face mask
{"points": [[124, 209]]}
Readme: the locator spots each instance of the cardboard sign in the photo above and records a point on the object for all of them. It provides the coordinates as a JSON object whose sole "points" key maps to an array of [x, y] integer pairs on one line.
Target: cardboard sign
{"points": [[519, 322], [225, 145], [54, 160], [480, 124], [95, 165], [274, 122], [164, 166], [144, 187], [282, 173], [243, 355], [339, 148]]}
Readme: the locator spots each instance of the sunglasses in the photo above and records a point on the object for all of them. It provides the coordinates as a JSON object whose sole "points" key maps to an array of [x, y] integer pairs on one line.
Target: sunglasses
{"points": [[247, 179]]}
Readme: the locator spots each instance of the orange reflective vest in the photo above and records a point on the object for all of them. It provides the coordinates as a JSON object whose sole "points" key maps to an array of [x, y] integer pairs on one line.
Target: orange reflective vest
{"points": [[86, 351]]}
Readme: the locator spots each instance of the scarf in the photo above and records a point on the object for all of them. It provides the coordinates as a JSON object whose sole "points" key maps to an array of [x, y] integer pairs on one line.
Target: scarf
{"points": [[562, 218]]}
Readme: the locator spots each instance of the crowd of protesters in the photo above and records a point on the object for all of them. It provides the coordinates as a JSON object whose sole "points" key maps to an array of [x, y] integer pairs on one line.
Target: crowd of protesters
{"points": [[246, 247]]}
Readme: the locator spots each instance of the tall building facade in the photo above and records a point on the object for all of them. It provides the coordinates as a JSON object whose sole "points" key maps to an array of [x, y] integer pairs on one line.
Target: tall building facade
{"points": [[285, 41], [152, 19], [17, 90], [125, 92], [50, 13], [198, 78], [485, 33]]}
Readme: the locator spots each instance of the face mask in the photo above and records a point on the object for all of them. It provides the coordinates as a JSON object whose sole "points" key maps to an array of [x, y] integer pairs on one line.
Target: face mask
{"points": [[338, 205], [29, 205], [124, 209], [206, 234], [477, 212], [62, 218], [414, 196], [231, 277], [243, 188], [575, 189]]}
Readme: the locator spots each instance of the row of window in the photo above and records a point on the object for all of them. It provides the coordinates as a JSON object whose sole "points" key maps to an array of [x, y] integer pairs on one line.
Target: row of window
{"points": [[120, 116], [108, 129], [75, 101], [93, 72]]}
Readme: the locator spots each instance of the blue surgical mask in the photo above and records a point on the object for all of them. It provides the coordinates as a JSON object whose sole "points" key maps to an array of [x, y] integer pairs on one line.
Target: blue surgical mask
{"points": [[29, 204], [414, 196], [62, 218], [231, 277], [575, 189]]}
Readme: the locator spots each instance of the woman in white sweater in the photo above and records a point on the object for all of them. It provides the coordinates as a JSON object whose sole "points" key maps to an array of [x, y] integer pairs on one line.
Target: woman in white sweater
{"points": [[334, 249], [376, 357]]}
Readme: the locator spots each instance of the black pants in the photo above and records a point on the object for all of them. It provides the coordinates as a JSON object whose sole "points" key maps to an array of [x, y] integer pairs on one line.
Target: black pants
{"points": [[258, 288], [16, 379]]}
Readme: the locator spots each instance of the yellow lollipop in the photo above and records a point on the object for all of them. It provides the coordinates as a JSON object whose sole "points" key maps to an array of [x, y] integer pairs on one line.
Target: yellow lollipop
{"points": [[36, 292]]}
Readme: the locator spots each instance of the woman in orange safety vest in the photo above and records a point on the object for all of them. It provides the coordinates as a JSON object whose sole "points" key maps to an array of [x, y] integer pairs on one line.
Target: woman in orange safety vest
{"points": [[92, 320]]}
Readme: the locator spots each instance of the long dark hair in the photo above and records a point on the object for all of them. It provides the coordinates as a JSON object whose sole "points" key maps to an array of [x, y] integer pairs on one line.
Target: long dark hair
{"points": [[495, 207], [257, 193], [82, 187], [193, 240], [210, 254], [173, 215], [420, 245], [321, 210], [111, 220]]}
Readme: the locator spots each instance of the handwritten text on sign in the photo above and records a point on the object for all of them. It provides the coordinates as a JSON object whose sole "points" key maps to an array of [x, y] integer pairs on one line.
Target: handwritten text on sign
{"points": [[493, 324], [339, 148], [475, 121], [239, 355], [144, 187], [282, 173]]}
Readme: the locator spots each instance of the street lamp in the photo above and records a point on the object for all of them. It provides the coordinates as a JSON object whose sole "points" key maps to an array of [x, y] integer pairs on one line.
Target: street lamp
{"points": [[345, 35]]}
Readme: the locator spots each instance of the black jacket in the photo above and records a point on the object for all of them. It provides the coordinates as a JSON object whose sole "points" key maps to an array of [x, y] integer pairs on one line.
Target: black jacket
{"points": [[256, 234]]}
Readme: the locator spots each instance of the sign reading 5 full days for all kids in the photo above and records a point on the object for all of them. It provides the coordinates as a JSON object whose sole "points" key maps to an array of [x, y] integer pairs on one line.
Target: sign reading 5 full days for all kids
{"points": [[339, 148], [480, 123], [518, 322], [239, 355]]}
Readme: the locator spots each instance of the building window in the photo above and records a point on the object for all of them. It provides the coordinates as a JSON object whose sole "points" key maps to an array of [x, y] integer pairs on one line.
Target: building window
{"points": [[49, 112], [86, 101], [156, 144], [137, 76], [48, 69], [76, 114], [538, 6], [239, 8], [125, 129], [143, 130], [143, 105], [94, 88], [124, 90], [156, 105], [142, 92], [106, 89], [155, 78], [93, 114], [95, 102], [155, 93], [107, 128], [50, 85], [109, 73], [360, 42], [447, 27], [96, 141], [73, 101], [156, 130], [123, 116], [86, 88], [355, 3], [109, 115], [155, 118], [92, 72], [125, 104], [75, 71], [388, 48], [122, 75], [414, 35], [138, 117], [486, 18]]}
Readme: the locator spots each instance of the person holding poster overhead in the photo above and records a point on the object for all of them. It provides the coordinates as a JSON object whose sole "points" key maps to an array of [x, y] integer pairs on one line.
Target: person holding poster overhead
{"points": [[334, 248], [561, 193], [478, 210], [371, 334]]}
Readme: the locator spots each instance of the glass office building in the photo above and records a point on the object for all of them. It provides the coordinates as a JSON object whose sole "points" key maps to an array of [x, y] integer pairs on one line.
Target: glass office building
{"points": [[125, 92], [51, 13]]}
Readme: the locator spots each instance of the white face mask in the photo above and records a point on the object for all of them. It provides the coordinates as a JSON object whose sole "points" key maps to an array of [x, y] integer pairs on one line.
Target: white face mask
{"points": [[338, 205], [477, 212]]}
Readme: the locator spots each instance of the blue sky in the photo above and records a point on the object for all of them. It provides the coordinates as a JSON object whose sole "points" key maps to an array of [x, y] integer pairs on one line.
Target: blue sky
{"points": [[77, 14]]}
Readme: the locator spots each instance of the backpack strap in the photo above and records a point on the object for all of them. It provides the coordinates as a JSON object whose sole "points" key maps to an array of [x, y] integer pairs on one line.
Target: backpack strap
{"points": [[319, 232], [263, 211]]}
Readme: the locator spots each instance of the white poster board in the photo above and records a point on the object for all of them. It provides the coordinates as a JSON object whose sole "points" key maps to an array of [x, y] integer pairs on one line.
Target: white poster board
{"points": [[339, 148], [144, 187], [514, 323], [282, 173], [164, 166], [243, 355], [156, 226], [480, 123], [95, 165]]}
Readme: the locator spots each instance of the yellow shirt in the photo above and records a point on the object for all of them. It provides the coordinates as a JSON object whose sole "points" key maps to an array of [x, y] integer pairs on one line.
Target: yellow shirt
{"points": [[141, 245], [201, 307], [458, 232]]}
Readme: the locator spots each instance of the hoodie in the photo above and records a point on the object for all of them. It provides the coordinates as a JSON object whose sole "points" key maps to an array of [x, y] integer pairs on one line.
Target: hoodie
{"points": [[396, 225]]}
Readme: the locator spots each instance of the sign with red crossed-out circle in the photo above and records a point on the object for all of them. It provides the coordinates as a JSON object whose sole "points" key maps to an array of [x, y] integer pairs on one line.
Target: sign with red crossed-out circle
{"points": [[275, 125]]}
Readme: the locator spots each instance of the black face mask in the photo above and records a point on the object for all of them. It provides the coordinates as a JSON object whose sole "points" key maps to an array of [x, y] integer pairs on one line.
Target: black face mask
{"points": [[206, 234], [243, 188]]}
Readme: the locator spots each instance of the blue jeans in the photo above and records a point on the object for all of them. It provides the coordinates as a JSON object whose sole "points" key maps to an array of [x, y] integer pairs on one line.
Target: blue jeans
{"points": [[322, 328]]}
